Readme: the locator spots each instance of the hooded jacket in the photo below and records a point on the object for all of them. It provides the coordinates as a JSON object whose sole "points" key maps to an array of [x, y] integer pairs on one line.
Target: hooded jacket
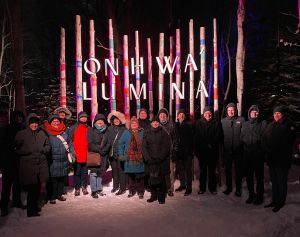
{"points": [[32, 148], [232, 131]]}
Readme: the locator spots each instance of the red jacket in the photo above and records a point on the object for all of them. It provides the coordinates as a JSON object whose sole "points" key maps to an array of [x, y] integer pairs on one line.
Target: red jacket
{"points": [[80, 143]]}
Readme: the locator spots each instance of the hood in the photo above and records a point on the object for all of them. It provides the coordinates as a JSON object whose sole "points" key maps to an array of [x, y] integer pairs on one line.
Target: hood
{"points": [[30, 116], [252, 107], [117, 114], [99, 117], [65, 110]]}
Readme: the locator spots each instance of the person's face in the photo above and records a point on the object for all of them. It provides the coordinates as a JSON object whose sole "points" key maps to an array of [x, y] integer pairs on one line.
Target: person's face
{"points": [[19, 119], [208, 115], [62, 115], [277, 116], [100, 123], [83, 119], [155, 124], [33, 126], [162, 117], [230, 111], [254, 114], [55, 122], [134, 125], [143, 115], [181, 117], [116, 122]]}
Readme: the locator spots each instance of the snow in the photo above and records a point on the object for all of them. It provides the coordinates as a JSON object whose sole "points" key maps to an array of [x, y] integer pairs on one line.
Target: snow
{"points": [[195, 215]]}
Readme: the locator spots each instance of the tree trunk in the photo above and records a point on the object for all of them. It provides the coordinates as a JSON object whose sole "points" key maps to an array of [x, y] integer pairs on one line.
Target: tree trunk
{"points": [[17, 46], [240, 55]]}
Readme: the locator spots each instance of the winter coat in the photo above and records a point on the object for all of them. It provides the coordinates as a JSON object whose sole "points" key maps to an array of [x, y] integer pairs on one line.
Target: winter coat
{"points": [[112, 139], [171, 130], [145, 124], [129, 166], [156, 150], [251, 135], [208, 137], [185, 139], [59, 163], [32, 148], [96, 144], [277, 141]]}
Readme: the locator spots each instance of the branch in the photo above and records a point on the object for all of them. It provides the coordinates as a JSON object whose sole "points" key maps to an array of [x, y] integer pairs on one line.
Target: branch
{"points": [[288, 14], [100, 45], [5, 85]]}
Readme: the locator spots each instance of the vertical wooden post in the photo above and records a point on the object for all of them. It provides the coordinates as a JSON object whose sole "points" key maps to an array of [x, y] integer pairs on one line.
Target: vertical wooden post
{"points": [[93, 77], [216, 90], [203, 66], [171, 78], [112, 79], [79, 98], [178, 69], [63, 83], [126, 78], [137, 72], [150, 86], [191, 49], [160, 74]]}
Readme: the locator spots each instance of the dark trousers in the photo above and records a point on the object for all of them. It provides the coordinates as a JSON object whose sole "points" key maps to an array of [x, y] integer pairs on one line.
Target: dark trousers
{"points": [[10, 182], [159, 190], [33, 193], [207, 165], [136, 183], [279, 177], [57, 187], [255, 167], [119, 180], [235, 159], [80, 175], [184, 169]]}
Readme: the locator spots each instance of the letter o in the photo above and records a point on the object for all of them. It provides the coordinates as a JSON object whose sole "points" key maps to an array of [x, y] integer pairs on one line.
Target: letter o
{"points": [[98, 66]]}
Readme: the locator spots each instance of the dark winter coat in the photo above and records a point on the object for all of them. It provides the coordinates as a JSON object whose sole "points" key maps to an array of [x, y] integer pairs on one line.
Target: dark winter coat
{"points": [[145, 124], [96, 144], [251, 135], [59, 163], [112, 137], [208, 137], [156, 150], [231, 133], [185, 139], [278, 141], [32, 148], [130, 166], [171, 130]]}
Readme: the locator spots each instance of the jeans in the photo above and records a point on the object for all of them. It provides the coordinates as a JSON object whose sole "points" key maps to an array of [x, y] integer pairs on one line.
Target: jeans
{"points": [[80, 175], [96, 181]]}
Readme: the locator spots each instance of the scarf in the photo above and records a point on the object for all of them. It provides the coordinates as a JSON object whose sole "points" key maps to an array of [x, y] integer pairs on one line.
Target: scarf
{"points": [[135, 147], [54, 130], [100, 128]]}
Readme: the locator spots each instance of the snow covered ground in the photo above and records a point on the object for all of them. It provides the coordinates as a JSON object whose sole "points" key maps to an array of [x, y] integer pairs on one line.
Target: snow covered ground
{"points": [[195, 215]]}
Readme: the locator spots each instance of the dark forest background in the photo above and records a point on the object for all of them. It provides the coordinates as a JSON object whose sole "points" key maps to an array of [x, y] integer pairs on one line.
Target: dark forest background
{"points": [[272, 65]]}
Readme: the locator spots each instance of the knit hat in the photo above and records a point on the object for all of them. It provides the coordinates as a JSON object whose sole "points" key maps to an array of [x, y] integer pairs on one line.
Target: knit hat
{"points": [[143, 109], [82, 114], [155, 118], [281, 109], [33, 118], [53, 116], [163, 110], [208, 108], [99, 117]]}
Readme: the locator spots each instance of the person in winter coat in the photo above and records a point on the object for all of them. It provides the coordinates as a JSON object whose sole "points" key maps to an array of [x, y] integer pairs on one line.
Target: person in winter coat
{"points": [[11, 164], [112, 136], [251, 135], [144, 121], [130, 151], [80, 136], [96, 145], [232, 125], [156, 152], [64, 114], [185, 153], [61, 145], [278, 143], [208, 137], [32, 146], [170, 128]]}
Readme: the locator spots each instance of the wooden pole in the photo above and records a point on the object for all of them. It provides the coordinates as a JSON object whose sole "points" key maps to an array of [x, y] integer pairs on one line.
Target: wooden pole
{"points": [[191, 48], [79, 98], [137, 72], [63, 83], [171, 77], [203, 66], [178, 68], [150, 86], [216, 92], [112, 79], [160, 74], [126, 78], [93, 77]]}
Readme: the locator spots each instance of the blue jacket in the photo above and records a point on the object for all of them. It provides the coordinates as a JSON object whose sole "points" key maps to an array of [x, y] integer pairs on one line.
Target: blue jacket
{"points": [[129, 166]]}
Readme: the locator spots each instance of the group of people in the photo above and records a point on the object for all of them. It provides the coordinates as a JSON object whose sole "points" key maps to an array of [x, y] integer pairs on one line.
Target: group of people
{"points": [[145, 154]]}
